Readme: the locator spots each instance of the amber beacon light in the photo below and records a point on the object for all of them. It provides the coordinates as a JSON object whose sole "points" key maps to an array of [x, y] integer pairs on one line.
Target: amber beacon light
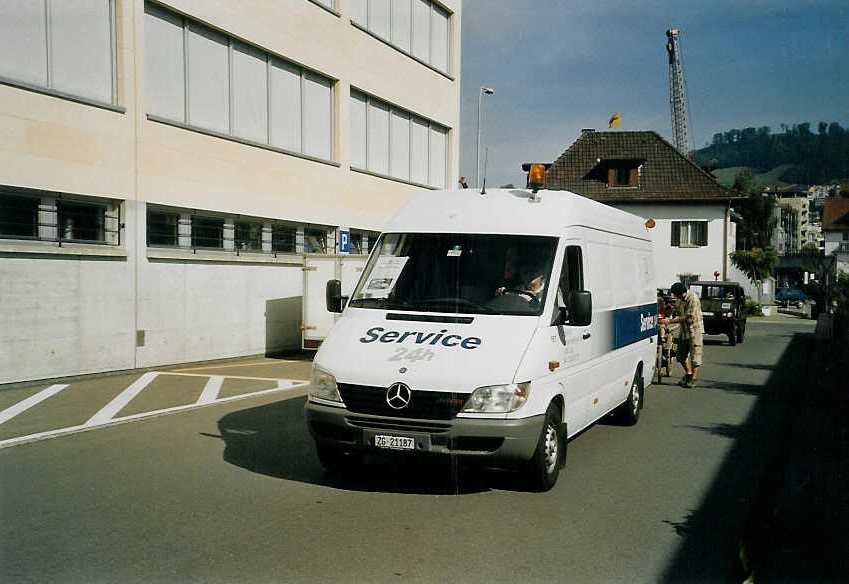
{"points": [[536, 177]]}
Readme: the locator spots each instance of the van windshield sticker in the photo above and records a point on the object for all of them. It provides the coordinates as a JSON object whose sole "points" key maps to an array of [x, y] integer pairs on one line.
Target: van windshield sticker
{"points": [[382, 335], [384, 276]]}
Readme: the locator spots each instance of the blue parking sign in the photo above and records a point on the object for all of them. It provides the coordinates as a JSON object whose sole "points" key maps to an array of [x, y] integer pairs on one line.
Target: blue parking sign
{"points": [[344, 240]]}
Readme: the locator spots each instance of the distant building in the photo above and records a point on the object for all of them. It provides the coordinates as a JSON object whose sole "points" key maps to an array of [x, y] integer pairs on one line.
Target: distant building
{"points": [[835, 226], [167, 165]]}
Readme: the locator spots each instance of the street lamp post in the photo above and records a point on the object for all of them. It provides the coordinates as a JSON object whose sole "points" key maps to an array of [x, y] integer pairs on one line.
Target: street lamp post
{"points": [[487, 91]]}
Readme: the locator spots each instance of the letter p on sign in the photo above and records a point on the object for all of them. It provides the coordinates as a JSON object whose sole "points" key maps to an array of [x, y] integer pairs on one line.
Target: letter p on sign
{"points": [[344, 240]]}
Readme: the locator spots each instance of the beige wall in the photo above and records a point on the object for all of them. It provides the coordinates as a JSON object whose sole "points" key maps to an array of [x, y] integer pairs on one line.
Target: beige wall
{"points": [[78, 308]]}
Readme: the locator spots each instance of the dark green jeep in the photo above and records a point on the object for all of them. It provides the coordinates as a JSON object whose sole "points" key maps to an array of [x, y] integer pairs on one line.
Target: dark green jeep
{"points": [[723, 309]]}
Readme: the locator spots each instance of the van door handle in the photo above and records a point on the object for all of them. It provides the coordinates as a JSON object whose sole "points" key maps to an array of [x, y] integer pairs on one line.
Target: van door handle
{"points": [[586, 336]]}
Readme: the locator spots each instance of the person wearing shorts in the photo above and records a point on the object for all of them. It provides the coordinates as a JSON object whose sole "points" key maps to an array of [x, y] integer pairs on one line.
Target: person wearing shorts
{"points": [[690, 339]]}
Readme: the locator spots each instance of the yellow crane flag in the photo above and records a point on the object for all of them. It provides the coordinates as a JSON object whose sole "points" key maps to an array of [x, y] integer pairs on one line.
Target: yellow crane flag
{"points": [[614, 120]]}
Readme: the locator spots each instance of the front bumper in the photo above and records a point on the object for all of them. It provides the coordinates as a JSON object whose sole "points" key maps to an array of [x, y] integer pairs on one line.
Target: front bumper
{"points": [[491, 441]]}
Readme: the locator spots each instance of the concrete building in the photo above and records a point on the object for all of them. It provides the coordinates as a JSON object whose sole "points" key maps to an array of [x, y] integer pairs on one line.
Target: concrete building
{"points": [[166, 165]]}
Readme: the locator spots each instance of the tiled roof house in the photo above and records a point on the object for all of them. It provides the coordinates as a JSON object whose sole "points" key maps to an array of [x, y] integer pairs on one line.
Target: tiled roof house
{"points": [[642, 173], [835, 227]]}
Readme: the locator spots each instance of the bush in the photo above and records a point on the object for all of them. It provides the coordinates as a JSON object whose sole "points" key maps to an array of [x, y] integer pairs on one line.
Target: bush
{"points": [[752, 308]]}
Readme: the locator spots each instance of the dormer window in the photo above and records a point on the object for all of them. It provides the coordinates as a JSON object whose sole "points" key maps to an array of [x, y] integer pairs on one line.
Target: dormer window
{"points": [[623, 173]]}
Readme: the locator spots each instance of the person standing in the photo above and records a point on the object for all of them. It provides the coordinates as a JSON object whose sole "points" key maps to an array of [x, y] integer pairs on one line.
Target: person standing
{"points": [[463, 183], [690, 337]]}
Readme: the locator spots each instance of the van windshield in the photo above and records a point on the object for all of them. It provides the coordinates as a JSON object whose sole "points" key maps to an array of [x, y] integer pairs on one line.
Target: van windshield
{"points": [[457, 273], [715, 292]]}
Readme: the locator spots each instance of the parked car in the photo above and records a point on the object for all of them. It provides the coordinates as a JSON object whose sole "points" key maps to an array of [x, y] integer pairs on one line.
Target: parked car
{"points": [[790, 296], [723, 309]]}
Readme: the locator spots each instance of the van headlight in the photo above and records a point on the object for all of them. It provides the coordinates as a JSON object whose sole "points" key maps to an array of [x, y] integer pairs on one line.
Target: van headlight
{"points": [[323, 385], [498, 399]]}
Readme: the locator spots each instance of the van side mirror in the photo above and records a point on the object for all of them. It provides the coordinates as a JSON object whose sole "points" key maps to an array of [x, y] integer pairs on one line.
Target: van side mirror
{"points": [[578, 310], [333, 296], [580, 303]]}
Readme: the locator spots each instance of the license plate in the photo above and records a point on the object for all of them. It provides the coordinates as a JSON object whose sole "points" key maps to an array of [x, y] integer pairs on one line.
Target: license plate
{"points": [[707, 313], [394, 442]]}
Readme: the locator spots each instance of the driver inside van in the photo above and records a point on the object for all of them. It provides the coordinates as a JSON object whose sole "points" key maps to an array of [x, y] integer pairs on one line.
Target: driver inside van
{"points": [[531, 282]]}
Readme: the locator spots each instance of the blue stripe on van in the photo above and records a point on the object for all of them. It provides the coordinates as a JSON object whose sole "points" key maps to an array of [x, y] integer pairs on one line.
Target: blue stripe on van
{"points": [[633, 324]]}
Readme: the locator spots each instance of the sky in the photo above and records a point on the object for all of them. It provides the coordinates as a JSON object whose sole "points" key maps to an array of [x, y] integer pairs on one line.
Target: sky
{"points": [[559, 66]]}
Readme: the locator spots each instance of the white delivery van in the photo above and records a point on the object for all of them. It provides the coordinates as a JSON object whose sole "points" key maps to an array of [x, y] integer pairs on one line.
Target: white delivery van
{"points": [[489, 326]]}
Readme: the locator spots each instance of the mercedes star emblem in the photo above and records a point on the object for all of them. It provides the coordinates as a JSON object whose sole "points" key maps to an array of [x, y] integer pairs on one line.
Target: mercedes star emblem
{"points": [[398, 396]]}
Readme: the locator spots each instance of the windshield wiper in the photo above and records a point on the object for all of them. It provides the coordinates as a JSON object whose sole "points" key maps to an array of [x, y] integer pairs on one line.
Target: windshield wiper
{"points": [[456, 303]]}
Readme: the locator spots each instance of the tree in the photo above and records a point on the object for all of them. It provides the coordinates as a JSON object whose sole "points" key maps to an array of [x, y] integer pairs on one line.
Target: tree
{"points": [[755, 255], [757, 263], [756, 208]]}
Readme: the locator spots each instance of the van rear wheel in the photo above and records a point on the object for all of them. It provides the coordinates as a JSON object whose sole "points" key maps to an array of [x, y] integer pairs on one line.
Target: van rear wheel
{"points": [[544, 466]]}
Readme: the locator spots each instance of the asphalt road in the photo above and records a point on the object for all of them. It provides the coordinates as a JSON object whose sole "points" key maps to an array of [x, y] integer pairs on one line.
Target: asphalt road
{"points": [[231, 491]]}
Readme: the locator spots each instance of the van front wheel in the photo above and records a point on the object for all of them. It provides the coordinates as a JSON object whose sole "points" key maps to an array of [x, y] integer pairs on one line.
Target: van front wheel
{"points": [[628, 414], [544, 467]]}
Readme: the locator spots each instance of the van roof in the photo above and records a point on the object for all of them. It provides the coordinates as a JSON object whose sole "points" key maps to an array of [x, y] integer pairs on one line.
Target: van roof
{"points": [[510, 211]]}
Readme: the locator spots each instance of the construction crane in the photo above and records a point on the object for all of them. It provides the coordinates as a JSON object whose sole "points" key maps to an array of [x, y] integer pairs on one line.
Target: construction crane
{"points": [[677, 93]]}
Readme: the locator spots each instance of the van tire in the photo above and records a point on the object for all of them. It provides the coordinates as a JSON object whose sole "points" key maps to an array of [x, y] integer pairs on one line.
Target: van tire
{"points": [[334, 459], [628, 412], [544, 466]]}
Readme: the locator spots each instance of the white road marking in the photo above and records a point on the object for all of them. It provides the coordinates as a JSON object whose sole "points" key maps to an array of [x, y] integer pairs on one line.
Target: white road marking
{"points": [[210, 391], [116, 405], [282, 385], [31, 401]]}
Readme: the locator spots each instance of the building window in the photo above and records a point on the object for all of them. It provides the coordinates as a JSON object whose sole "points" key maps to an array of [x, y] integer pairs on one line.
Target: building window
{"points": [[689, 233], [361, 241], [208, 80], [81, 221], [393, 142], [326, 3], [66, 47], [315, 240], [207, 232], [419, 28], [18, 217], [283, 238], [58, 217], [248, 236], [162, 228]]}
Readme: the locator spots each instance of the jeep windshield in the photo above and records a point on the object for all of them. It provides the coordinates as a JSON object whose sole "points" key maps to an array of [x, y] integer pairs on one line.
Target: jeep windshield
{"points": [[457, 273]]}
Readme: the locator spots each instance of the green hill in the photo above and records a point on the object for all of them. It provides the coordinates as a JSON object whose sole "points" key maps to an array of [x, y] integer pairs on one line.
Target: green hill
{"points": [[795, 156], [770, 178]]}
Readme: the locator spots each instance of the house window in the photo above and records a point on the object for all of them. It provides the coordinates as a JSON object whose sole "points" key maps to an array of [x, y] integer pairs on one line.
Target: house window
{"points": [[66, 47], [623, 175], [210, 81], [689, 233]]}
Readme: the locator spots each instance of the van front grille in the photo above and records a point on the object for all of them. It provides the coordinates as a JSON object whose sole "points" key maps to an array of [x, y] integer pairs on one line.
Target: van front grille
{"points": [[424, 405]]}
